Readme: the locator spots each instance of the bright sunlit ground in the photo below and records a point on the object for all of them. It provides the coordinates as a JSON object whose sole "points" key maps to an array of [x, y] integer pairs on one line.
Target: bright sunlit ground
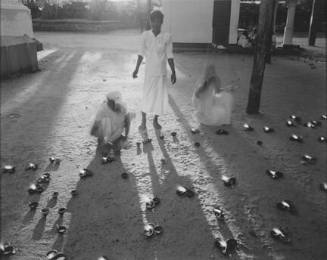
{"points": [[49, 113]]}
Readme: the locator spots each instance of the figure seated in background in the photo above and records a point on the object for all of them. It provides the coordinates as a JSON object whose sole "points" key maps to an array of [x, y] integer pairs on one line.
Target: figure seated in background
{"points": [[244, 40], [212, 103], [252, 34]]}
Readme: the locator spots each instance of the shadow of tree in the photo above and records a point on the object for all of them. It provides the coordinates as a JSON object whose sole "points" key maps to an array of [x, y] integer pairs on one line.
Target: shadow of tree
{"points": [[233, 202]]}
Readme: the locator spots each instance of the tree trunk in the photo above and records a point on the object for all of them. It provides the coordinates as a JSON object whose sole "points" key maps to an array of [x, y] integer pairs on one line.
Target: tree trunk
{"points": [[264, 25], [289, 27]]}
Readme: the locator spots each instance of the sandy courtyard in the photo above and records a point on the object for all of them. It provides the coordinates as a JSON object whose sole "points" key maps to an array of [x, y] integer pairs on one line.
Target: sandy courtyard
{"points": [[49, 113]]}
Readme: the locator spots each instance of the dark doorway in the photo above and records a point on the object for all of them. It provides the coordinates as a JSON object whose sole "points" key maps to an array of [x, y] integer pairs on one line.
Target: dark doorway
{"points": [[220, 22]]}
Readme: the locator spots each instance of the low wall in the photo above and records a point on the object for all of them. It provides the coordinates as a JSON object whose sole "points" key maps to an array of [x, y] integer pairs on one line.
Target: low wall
{"points": [[18, 54], [78, 25]]}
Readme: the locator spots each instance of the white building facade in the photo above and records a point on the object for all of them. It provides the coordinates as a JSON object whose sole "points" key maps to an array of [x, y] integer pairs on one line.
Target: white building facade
{"points": [[201, 21]]}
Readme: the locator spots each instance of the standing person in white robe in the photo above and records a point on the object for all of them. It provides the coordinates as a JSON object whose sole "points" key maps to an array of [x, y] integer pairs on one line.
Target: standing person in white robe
{"points": [[156, 47], [213, 104]]}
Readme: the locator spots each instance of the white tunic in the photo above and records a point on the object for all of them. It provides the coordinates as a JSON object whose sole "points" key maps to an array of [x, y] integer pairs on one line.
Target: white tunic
{"points": [[156, 50], [108, 125]]}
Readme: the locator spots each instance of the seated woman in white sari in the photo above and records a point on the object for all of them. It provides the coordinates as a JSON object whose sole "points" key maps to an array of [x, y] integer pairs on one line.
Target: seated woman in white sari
{"points": [[111, 121], [212, 103]]}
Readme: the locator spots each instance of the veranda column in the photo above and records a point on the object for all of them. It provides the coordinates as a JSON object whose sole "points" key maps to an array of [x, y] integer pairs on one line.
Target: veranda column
{"points": [[234, 18], [289, 28], [318, 12]]}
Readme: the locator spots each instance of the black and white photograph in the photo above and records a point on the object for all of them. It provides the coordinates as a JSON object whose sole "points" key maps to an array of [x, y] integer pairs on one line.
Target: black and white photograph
{"points": [[163, 130]]}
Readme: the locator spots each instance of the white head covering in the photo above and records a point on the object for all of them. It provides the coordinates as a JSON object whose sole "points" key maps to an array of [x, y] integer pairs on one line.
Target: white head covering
{"points": [[208, 75], [119, 105], [156, 6]]}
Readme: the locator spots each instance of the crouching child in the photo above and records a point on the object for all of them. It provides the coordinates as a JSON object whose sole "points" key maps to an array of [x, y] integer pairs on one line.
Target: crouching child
{"points": [[112, 124]]}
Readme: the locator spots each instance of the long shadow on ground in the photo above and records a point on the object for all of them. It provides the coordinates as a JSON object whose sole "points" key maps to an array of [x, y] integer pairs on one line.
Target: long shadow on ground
{"points": [[105, 216], [24, 139], [249, 204], [186, 232]]}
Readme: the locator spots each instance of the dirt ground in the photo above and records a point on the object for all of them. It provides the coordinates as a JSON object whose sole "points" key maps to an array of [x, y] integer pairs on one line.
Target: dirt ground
{"points": [[49, 113]]}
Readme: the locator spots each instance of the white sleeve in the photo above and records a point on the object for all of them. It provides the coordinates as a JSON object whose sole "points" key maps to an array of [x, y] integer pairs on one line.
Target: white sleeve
{"points": [[142, 50], [169, 49]]}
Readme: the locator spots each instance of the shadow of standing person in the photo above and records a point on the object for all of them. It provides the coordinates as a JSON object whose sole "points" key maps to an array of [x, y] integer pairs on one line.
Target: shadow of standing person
{"points": [[105, 215], [186, 232]]}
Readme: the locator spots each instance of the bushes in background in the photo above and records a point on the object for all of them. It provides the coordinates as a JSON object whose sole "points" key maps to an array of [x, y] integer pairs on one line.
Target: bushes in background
{"points": [[94, 10]]}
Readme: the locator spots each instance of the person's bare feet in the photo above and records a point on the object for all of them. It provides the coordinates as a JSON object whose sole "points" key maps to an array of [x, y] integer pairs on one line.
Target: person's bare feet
{"points": [[156, 124], [100, 142], [142, 127]]}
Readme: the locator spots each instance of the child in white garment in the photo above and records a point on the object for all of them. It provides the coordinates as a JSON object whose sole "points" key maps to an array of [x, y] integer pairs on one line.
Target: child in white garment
{"points": [[111, 121], [213, 104]]}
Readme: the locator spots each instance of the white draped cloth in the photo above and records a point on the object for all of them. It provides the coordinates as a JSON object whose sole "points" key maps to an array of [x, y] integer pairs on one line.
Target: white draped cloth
{"points": [[108, 124], [213, 108], [156, 50]]}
